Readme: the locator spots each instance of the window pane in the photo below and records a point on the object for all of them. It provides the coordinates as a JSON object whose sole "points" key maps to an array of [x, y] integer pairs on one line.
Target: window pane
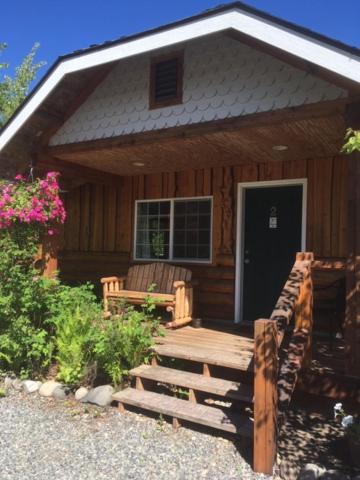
{"points": [[192, 236], [153, 230], [142, 208], [179, 221], [204, 207]]}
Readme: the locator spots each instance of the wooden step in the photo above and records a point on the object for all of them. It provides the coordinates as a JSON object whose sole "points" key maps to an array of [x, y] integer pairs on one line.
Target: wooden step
{"points": [[239, 361], [217, 386], [185, 410]]}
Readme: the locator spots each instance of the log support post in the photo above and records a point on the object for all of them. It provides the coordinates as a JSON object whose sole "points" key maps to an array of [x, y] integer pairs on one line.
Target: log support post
{"points": [[265, 395], [352, 313], [192, 396], [206, 370], [304, 307]]}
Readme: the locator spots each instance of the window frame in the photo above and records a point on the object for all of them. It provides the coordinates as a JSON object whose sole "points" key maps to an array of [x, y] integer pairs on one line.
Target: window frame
{"points": [[178, 99], [171, 258]]}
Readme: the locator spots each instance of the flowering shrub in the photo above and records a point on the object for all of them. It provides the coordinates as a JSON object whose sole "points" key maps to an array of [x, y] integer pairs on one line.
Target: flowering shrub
{"points": [[34, 203], [28, 210]]}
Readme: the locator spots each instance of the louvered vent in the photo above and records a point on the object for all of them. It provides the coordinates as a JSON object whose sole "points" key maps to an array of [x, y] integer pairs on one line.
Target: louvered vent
{"points": [[166, 81]]}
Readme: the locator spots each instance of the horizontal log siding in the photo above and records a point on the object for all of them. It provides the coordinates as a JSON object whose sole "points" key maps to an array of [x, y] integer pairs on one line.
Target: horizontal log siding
{"points": [[98, 234]]}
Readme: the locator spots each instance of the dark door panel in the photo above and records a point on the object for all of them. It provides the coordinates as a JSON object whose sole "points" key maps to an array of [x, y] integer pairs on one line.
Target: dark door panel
{"points": [[272, 236]]}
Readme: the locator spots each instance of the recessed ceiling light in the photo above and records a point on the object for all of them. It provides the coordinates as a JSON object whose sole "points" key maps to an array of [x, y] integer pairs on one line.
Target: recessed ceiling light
{"points": [[280, 148], [139, 164]]}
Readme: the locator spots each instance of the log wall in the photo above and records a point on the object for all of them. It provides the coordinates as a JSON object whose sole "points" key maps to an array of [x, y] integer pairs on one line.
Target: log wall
{"points": [[98, 234]]}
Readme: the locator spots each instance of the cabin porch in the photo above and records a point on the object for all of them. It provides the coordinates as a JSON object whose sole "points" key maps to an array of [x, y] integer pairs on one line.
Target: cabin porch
{"points": [[104, 184]]}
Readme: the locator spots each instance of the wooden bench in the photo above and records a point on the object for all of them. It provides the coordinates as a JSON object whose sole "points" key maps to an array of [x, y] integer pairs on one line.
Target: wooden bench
{"points": [[172, 289]]}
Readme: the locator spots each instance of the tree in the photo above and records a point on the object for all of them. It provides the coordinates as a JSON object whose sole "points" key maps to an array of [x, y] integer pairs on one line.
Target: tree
{"points": [[13, 90]]}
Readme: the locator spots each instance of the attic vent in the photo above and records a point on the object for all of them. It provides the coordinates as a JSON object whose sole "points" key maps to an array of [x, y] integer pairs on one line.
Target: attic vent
{"points": [[166, 81]]}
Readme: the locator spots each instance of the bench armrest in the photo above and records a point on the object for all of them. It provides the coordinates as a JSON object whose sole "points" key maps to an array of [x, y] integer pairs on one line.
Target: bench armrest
{"points": [[181, 283], [112, 279]]}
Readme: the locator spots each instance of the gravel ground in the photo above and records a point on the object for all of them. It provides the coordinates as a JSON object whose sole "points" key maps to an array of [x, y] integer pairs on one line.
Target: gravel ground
{"points": [[44, 439]]}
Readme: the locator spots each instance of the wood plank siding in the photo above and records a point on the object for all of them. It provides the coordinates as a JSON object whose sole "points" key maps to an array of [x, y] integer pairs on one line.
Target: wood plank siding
{"points": [[99, 229]]}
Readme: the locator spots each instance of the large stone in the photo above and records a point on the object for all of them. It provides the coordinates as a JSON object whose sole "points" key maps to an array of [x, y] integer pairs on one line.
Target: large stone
{"points": [[17, 384], [81, 393], [101, 396], [59, 393], [8, 382], [47, 388], [30, 386], [311, 472]]}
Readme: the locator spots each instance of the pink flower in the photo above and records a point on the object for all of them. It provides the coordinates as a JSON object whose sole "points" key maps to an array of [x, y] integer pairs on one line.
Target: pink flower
{"points": [[19, 177]]}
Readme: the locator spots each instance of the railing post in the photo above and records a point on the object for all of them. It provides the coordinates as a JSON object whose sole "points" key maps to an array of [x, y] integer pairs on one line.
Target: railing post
{"points": [[265, 395], [304, 309]]}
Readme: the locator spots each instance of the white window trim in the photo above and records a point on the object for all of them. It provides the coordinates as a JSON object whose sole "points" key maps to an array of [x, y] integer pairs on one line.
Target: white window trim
{"points": [[239, 274], [171, 243]]}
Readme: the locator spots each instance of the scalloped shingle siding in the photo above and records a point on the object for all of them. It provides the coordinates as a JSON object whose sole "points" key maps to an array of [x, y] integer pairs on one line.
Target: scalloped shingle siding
{"points": [[222, 79]]}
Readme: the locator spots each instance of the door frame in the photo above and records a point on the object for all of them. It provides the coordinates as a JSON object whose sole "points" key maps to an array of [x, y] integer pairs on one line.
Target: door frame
{"points": [[240, 217]]}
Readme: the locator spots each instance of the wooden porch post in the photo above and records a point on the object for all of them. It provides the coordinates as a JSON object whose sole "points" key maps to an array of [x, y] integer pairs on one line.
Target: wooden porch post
{"points": [[265, 395], [352, 314], [304, 306], [50, 249]]}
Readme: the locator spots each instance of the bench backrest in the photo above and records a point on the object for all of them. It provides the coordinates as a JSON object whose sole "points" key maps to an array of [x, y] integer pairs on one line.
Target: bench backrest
{"points": [[140, 277]]}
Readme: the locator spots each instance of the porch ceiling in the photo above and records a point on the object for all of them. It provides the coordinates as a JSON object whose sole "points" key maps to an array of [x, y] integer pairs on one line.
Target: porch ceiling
{"points": [[222, 145]]}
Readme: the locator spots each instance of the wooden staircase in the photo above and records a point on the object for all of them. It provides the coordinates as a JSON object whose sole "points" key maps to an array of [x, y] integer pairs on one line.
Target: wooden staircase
{"points": [[225, 415]]}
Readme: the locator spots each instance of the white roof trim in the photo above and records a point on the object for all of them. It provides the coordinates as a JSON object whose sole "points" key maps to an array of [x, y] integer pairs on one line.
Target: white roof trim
{"points": [[286, 39]]}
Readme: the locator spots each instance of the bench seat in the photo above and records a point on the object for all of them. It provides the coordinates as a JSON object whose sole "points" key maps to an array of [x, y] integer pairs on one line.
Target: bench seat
{"points": [[170, 288]]}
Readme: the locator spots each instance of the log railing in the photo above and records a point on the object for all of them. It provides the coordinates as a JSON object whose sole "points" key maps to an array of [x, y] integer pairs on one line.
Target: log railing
{"points": [[282, 348]]}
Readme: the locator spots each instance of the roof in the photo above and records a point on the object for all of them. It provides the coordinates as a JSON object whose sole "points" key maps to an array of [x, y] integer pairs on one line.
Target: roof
{"points": [[313, 47]]}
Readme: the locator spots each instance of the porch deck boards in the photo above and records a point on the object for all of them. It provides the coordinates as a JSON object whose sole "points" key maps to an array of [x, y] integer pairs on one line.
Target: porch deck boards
{"points": [[205, 345]]}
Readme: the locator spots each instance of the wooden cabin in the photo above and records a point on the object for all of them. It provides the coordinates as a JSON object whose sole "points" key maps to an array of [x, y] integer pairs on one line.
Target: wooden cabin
{"points": [[214, 144]]}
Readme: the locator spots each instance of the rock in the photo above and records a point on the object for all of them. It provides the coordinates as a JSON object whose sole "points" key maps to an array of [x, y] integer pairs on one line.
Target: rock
{"points": [[311, 472], [59, 393], [8, 381], [101, 396], [30, 386], [17, 384], [47, 388], [80, 393]]}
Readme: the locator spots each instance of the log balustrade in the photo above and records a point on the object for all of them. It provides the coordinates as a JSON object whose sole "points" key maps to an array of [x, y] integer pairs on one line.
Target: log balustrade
{"points": [[282, 347]]}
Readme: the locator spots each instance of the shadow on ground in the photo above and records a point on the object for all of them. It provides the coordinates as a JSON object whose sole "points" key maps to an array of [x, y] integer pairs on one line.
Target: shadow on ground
{"points": [[310, 435]]}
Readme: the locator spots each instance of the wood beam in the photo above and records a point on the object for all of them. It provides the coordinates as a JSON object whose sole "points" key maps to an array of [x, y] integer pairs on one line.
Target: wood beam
{"points": [[59, 119], [263, 119], [72, 170]]}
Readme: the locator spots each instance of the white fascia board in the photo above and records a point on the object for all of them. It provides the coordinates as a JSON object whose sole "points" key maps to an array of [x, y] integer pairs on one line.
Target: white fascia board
{"points": [[314, 51]]}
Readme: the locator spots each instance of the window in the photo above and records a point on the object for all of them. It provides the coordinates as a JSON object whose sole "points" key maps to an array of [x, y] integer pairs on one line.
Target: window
{"points": [[178, 229], [166, 78]]}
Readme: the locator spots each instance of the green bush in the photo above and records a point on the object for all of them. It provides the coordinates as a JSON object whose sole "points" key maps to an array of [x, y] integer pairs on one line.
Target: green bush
{"points": [[124, 340], [25, 344], [75, 314], [42, 320]]}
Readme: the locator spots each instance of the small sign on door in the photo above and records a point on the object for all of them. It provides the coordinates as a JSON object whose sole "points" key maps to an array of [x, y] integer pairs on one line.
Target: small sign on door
{"points": [[273, 217], [273, 222]]}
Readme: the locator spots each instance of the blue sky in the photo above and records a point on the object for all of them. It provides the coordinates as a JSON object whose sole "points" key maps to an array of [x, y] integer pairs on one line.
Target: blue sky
{"points": [[62, 26]]}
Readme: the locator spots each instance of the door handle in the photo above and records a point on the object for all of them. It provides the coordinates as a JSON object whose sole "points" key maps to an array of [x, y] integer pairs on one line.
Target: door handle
{"points": [[247, 261]]}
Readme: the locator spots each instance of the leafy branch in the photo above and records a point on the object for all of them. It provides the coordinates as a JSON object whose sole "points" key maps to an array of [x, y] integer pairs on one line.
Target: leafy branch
{"points": [[13, 90]]}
